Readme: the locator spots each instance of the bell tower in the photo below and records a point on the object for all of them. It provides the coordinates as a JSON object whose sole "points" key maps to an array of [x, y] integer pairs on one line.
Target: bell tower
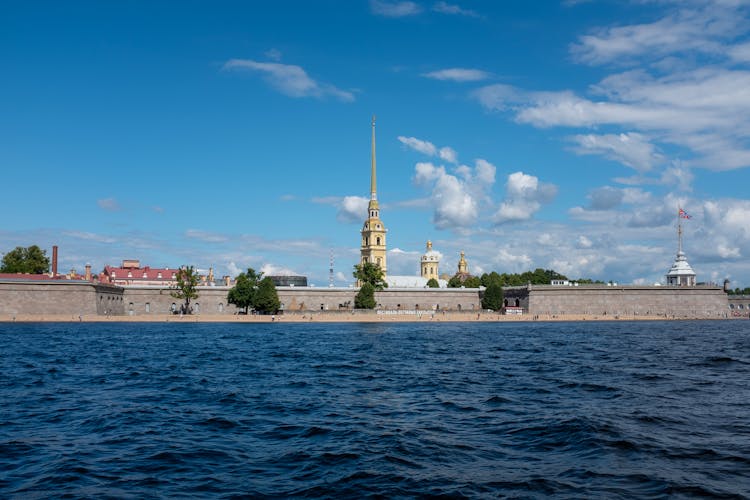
{"points": [[373, 231]]}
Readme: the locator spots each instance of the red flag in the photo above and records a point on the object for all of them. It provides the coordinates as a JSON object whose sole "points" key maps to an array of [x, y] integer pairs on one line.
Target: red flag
{"points": [[684, 214]]}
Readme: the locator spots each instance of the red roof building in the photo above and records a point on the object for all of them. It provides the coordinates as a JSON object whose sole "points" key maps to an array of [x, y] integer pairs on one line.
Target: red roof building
{"points": [[131, 273]]}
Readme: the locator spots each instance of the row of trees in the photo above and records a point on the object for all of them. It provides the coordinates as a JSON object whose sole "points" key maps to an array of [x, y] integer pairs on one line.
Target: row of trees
{"points": [[537, 277], [251, 291], [370, 277]]}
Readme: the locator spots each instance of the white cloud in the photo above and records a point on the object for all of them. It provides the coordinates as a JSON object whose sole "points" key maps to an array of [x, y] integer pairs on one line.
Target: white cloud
{"points": [[448, 154], [109, 204], [699, 30], [455, 10], [290, 80], [429, 149], [424, 147], [394, 9], [269, 269], [352, 209], [524, 196], [584, 242], [456, 199], [458, 75], [605, 198], [631, 149], [705, 111]]}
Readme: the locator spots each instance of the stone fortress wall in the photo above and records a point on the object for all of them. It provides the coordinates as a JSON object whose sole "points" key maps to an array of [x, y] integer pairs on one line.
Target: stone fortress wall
{"points": [[60, 297], [67, 297], [629, 300], [84, 298]]}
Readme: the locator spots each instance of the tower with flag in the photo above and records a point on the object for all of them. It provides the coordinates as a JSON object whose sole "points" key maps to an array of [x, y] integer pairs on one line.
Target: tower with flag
{"points": [[681, 274]]}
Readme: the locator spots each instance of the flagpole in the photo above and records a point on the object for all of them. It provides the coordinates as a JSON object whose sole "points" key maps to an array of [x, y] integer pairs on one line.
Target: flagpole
{"points": [[679, 230]]}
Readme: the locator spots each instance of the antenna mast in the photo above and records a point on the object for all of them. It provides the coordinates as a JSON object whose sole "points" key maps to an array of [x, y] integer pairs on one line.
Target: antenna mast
{"points": [[330, 272]]}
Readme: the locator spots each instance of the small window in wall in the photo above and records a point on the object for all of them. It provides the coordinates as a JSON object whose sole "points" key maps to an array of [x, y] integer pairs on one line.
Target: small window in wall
{"points": [[130, 309], [378, 240], [459, 307], [148, 307], [173, 307], [221, 307], [196, 308], [741, 306]]}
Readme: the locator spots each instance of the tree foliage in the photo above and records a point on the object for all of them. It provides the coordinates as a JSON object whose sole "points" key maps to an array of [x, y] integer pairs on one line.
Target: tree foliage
{"points": [[367, 272], [30, 260], [538, 276], [266, 299], [186, 287], [472, 282], [738, 291], [365, 298], [242, 294], [433, 283], [493, 297]]}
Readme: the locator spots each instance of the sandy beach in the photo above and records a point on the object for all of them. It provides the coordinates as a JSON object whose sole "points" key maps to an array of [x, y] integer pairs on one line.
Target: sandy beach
{"points": [[330, 317]]}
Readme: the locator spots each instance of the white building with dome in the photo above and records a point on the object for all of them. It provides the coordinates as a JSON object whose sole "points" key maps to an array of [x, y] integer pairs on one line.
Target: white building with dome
{"points": [[680, 274], [429, 269]]}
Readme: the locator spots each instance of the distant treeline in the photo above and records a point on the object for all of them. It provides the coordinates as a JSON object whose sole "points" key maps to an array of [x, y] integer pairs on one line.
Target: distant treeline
{"points": [[538, 276], [738, 291]]}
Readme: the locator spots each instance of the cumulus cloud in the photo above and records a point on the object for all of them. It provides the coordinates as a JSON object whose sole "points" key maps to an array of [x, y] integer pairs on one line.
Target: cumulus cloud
{"points": [[109, 204], [394, 9], [524, 196], [350, 209], [289, 79], [456, 199], [458, 75], [269, 269], [448, 154]]}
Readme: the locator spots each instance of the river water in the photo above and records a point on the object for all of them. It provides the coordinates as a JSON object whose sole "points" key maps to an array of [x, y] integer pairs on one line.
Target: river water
{"points": [[527, 410]]}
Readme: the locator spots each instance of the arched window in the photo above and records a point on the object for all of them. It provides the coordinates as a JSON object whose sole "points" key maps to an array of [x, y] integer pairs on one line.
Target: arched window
{"points": [[148, 307], [221, 307], [196, 308]]}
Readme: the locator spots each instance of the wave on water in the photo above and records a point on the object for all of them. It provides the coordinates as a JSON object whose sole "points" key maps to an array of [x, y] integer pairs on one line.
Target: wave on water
{"points": [[569, 410]]}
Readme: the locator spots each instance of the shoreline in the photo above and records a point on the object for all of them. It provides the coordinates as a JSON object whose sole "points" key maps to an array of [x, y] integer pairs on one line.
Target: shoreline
{"points": [[335, 317]]}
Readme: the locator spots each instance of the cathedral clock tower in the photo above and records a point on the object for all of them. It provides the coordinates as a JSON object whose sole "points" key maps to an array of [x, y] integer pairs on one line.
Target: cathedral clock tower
{"points": [[373, 231]]}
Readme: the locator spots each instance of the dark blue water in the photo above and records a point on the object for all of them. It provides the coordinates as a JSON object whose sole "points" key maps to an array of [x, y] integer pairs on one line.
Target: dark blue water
{"points": [[570, 410]]}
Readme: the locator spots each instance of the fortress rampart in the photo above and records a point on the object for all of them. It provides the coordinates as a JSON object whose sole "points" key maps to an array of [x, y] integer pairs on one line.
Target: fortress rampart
{"points": [[668, 301]]}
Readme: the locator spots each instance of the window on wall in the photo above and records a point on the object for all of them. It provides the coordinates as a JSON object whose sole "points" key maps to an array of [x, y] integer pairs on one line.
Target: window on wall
{"points": [[378, 240], [148, 307], [221, 307]]}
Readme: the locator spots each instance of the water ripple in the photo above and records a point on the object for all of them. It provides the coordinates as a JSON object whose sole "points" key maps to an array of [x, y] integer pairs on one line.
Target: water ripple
{"points": [[570, 410]]}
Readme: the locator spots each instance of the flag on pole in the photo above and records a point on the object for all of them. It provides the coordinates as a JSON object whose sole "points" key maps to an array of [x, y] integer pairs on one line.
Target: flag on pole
{"points": [[684, 214]]}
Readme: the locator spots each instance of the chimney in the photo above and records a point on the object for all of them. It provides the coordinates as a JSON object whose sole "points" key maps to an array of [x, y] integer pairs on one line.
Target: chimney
{"points": [[54, 260], [88, 272]]}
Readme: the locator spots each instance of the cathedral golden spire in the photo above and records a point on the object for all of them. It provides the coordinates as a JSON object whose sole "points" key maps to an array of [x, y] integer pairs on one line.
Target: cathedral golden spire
{"points": [[373, 184]]}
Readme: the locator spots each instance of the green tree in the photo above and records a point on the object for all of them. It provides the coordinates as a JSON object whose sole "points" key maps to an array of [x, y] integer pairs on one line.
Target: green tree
{"points": [[245, 287], [493, 297], [266, 299], [186, 287], [368, 272], [472, 282], [433, 283], [455, 282], [30, 260], [365, 298]]}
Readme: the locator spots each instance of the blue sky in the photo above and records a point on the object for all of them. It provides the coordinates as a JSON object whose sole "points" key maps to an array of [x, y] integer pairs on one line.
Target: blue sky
{"points": [[560, 135]]}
